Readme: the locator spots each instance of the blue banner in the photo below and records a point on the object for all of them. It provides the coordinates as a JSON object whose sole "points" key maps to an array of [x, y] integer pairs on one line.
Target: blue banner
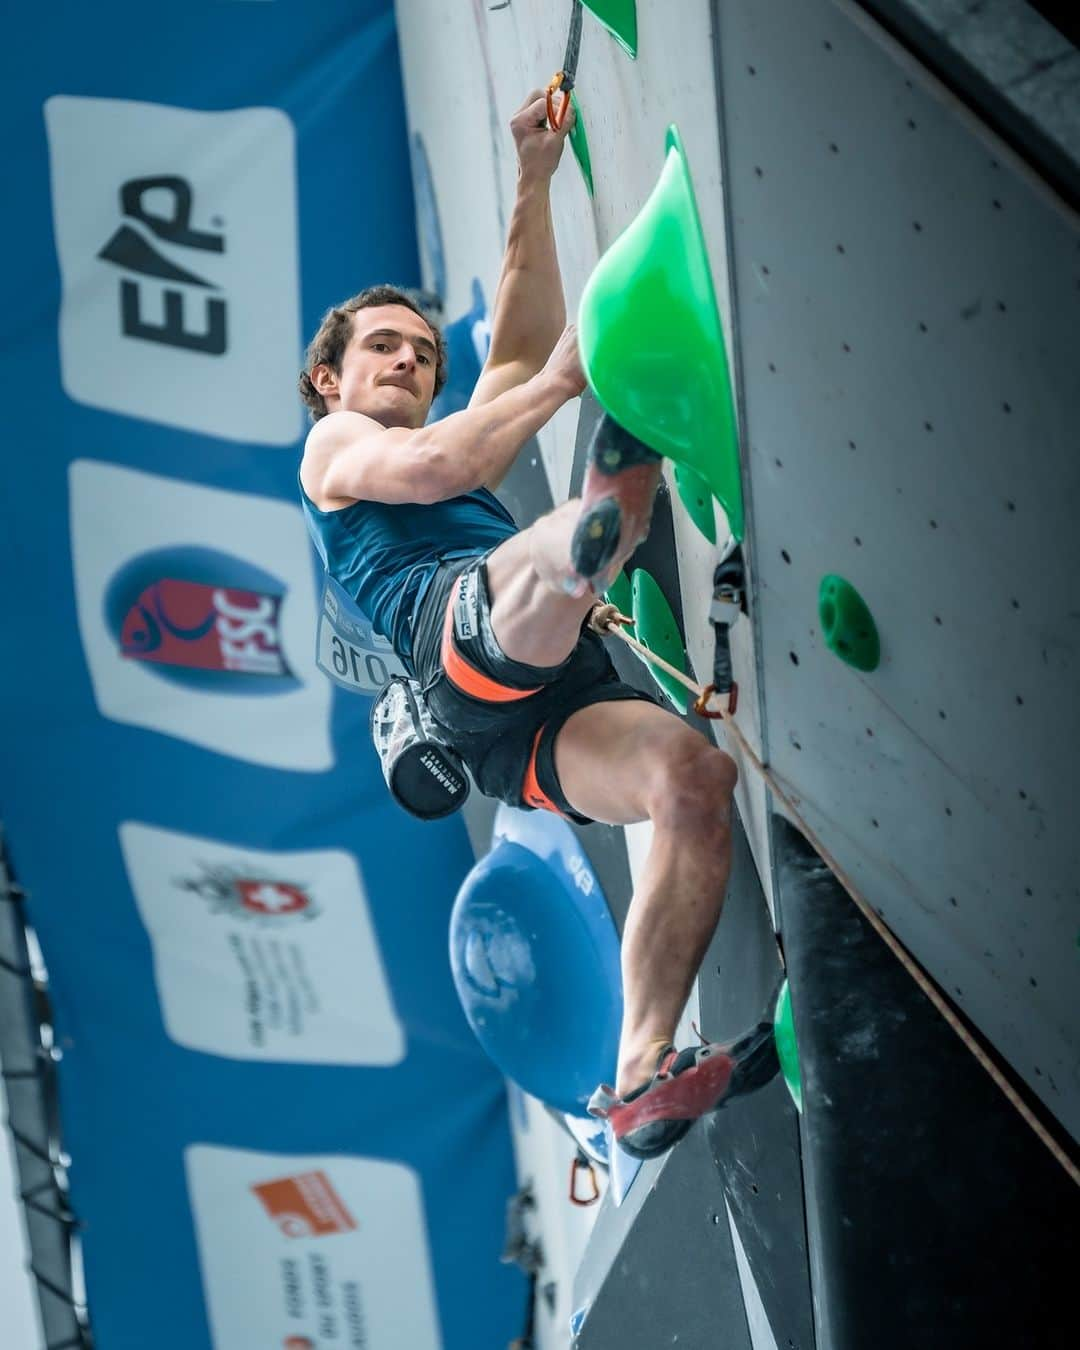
{"points": [[282, 1131]]}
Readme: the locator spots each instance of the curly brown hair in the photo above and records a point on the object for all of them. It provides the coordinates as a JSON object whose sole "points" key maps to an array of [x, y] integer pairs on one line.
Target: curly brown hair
{"points": [[328, 345]]}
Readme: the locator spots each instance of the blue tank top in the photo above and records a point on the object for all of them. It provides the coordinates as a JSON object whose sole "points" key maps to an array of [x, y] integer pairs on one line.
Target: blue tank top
{"points": [[385, 556]]}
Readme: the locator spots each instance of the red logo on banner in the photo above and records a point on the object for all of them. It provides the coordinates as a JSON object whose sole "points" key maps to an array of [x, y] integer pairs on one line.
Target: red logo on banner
{"points": [[241, 893], [305, 1206], [271, 897], [298, 1343], [186, 623]]}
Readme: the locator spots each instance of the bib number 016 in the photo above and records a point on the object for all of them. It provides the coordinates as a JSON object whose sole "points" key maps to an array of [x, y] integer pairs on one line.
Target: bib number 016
{"points": [[362, 668], [348, 649]]}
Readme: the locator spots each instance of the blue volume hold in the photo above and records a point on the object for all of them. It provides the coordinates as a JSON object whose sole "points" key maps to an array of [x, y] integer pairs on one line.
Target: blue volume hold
{"points": [[535, 958]]}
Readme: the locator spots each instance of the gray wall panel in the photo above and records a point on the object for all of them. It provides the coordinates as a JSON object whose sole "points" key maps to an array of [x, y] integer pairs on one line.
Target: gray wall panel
{"points": [[908, 316]]}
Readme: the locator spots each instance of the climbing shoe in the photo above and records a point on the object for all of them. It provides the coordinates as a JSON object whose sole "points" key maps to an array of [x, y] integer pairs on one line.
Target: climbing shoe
{"points": [[621, 479], [687, 1084]]}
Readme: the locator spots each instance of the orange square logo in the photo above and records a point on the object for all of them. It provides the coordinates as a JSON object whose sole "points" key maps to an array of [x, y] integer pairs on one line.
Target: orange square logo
{"points": [[305, 1206]]}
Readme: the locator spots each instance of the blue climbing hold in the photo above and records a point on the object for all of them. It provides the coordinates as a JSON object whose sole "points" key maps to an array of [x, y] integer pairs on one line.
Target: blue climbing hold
{"points": [[535, 958]]}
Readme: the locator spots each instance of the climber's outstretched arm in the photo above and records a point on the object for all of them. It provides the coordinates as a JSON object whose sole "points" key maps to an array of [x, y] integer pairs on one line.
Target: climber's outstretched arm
{"points": [[529, 311]]}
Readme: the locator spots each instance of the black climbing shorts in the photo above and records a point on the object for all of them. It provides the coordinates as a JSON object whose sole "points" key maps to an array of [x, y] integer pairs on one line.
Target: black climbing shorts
{"points": [[502, 716]]}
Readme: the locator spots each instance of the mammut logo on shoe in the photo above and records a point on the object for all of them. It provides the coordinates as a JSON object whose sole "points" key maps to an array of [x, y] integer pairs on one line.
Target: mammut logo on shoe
{"points": [[133, 250]]}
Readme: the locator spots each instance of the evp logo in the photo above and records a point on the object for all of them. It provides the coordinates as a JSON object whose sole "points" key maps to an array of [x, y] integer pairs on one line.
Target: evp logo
{"points": [[176, 237], [186, 638], [134, 251]]}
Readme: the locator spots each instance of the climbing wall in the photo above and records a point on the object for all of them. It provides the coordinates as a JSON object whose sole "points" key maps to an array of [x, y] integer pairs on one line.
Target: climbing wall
{"points": [[908, 300], [899, 294]]}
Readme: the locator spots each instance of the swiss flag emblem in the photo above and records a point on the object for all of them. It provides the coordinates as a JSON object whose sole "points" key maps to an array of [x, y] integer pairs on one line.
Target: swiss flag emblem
{"points": [[271, 897]]}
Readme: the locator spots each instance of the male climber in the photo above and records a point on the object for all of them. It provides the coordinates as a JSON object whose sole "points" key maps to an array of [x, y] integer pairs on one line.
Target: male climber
{"points": [[492, 622]]}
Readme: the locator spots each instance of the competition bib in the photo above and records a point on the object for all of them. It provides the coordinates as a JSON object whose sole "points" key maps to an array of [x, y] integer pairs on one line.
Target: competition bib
{"points": [[348, 649]]}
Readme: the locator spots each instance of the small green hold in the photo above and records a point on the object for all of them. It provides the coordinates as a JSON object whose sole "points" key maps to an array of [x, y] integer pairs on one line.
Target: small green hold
{"points": [[786, 1048], [696, 496], [847, 624], [579, 143], [657, 630]]}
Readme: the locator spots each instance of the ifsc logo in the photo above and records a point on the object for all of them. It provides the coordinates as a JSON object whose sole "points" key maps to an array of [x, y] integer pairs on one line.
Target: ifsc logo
{"points": [[168, 224], [201, 618], [191, 639]]}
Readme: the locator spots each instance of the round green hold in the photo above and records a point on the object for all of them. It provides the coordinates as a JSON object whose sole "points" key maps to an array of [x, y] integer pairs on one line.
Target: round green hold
{"points": [[786, 1049], [847, 624]]}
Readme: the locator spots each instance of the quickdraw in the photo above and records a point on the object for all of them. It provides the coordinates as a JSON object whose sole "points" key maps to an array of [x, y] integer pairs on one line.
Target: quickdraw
{"points": [[563, 80], [729, 586]]}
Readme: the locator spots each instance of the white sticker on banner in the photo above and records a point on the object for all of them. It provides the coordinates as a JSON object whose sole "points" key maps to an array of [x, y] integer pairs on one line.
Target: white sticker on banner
{"points": [[348, 649], [177, 240], [264, 956], [196, 611], [311, 1253]]}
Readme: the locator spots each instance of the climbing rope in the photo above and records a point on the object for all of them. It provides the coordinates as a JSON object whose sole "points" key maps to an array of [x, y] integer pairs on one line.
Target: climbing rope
{"points": [[606, 619], [563, 80]]}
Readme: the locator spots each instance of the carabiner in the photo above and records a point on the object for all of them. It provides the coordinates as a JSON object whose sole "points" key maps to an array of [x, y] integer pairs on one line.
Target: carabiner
{"points": [[558, 82], [701, 707], [579, 1162]]}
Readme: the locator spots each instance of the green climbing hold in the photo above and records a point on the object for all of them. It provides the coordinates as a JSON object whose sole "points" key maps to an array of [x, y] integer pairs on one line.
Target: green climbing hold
{"points": [[673, 391], [579, 143], [619, 17], [695, 496], [657, 630], [848, 625], [621, 595], [786, 1049]]}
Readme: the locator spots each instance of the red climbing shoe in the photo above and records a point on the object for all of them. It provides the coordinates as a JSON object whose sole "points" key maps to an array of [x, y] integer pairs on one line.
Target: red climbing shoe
{"points": [[621, 479], [687, 1084]]}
